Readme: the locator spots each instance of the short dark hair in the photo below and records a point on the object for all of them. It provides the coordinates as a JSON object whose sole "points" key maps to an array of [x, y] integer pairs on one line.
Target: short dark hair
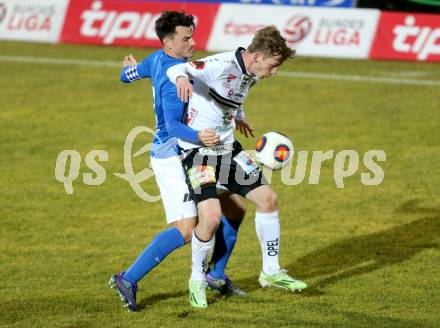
{"points": [[270, 42], [168, 21]]}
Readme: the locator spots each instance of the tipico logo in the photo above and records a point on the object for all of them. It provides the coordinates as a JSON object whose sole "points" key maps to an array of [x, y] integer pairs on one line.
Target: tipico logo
{"points": [[420, 40]]}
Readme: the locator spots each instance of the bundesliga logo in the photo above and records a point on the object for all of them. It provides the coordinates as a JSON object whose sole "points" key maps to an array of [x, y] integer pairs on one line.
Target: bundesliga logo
{"points": [[297, 28]]}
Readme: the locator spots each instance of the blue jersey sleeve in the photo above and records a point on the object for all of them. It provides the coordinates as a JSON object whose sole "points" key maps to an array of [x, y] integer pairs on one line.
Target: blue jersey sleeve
{"points": [[173, 112], [136, 72]]}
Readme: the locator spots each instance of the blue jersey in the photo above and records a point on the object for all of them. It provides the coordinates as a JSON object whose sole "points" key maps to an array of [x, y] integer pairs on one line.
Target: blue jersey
{"points": [[168, 108]]}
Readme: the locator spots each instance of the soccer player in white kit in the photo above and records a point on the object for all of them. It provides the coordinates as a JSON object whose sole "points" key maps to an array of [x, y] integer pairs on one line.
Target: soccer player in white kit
{"points": [[221, 84]]}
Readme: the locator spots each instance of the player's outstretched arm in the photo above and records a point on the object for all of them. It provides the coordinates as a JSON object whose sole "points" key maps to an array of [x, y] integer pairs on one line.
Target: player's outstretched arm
{"points": [[133, 71], [129, 61], [205, 71]]}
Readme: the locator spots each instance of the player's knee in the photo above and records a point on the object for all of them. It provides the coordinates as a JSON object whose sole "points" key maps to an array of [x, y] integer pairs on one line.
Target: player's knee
{"points": [[212, 218], [187, 235], [186, 228], [210, 221], [213, 227], [269, 202], [210, 212]]}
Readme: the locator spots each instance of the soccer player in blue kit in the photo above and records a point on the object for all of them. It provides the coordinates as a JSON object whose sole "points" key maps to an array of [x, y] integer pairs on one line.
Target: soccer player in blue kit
{"points": [[175, 30]]}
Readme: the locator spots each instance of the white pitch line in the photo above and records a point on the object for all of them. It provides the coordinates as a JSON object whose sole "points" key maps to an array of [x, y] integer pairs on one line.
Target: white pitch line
{"points": [[303, 75], [359, 78], [60, 61]]}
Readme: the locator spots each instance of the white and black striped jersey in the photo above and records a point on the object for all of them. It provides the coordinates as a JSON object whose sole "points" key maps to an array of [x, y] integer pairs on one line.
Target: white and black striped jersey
{"points": [[221, 84]]}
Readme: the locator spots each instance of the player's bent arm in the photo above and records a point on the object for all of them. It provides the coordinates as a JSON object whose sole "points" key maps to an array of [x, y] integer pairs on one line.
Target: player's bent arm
{"points": [[242, 125], [179, 130], [173, 113], [175, 71], [206, 71]]}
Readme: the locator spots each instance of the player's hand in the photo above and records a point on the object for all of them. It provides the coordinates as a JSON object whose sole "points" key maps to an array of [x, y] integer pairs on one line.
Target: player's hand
{"points": [[208, 137], [244, 128], [129, 61], [184, 88]]}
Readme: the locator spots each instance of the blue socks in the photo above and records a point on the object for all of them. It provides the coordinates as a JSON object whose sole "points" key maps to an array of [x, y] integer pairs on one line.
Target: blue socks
{"points": [[225, 239], [162, 245], [167, 241]]}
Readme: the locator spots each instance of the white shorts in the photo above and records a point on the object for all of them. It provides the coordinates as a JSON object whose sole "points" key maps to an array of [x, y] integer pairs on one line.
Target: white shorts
{"points": [[171, 180]]}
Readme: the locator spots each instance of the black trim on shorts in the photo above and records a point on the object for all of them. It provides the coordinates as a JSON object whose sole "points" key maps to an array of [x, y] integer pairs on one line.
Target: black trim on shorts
{"points": [[221, 163]]}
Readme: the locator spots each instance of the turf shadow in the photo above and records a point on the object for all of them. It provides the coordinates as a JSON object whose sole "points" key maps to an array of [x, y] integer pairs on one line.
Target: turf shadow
{"points": [[213, 297], [363, 254]]}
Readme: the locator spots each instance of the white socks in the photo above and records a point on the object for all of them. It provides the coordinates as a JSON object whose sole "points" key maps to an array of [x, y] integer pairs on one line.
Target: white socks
{"points": [[268, 232], [200, 253]]}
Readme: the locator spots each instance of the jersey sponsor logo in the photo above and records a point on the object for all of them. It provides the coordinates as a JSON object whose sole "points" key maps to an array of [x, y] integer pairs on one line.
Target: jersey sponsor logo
{"points": [[230, 78], [223, 128], [227, 83], [198, 64], [201, 175], [272, 247], [192, 113], [227, 118], [216, 150], [247, 163]]}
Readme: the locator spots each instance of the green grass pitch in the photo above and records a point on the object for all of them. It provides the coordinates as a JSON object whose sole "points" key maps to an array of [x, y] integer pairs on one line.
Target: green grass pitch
{"points": [[369, 253]]}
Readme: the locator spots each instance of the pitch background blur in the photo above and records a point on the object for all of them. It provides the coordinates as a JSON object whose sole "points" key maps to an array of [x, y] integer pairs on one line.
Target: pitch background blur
{"points": [[369, 253]]}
